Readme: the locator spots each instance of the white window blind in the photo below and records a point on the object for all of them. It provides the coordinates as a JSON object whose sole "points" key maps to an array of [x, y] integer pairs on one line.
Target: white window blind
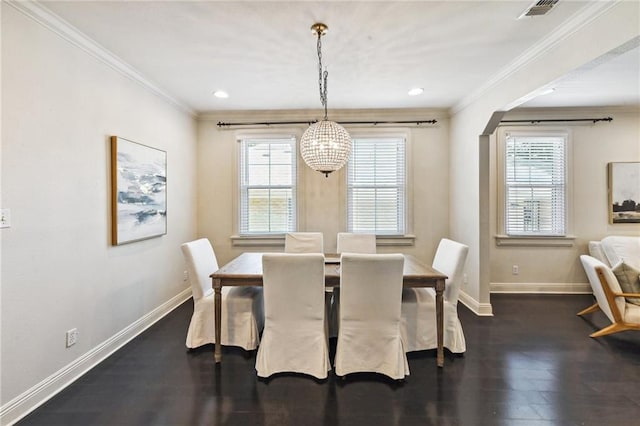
{"points": [[267, 186], [376, 186], [535, 185]]}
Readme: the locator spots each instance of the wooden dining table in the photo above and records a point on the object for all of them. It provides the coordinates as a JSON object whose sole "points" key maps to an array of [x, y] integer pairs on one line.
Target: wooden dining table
{"points": [[246, 270]]}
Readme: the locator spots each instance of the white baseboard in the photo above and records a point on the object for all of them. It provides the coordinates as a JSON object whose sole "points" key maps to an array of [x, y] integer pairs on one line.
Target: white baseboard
{"points": [[480, 309], [31, 399], [541, 288]]}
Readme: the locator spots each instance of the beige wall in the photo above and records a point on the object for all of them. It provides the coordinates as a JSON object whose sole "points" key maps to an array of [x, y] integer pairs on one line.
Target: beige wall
{"points": [[321, 199], [597, 30], [593, 146], [59, 271]]}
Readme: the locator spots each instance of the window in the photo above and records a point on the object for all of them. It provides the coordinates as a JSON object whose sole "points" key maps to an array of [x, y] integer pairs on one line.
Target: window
{"points": [[535, 192], [267, 186], [376, 186]]}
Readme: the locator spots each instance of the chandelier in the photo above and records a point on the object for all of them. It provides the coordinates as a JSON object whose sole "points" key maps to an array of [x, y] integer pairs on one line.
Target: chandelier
{"points": [[325, 146]]}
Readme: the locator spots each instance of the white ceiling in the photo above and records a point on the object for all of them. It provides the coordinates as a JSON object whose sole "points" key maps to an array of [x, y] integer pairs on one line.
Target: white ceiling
{"points": [[264, 55]]}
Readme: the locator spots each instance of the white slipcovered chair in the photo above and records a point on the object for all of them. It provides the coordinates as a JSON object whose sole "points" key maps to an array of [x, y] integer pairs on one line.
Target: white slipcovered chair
{"points": [[303, 242], [348, 242], [294, 337], [610, 298], [369, 338], [419, 304], [356, 243], [242, 310]]}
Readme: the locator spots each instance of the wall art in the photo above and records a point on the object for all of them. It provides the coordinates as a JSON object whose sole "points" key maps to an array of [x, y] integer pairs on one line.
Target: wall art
{"points": [[138, 191]]}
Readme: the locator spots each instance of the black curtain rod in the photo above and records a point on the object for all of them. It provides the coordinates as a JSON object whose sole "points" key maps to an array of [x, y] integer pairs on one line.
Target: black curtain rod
{"points": [[309, 122], [558, 120]]}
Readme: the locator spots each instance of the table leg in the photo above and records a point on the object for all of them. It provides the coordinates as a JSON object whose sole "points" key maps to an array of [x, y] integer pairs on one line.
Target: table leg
{"points": [[217, 302], [440, 321]]}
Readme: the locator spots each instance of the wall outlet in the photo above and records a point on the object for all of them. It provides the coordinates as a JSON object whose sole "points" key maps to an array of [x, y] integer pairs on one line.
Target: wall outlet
{"points": [[185, 276], [5, 218], [515, 270], [72, 337]]}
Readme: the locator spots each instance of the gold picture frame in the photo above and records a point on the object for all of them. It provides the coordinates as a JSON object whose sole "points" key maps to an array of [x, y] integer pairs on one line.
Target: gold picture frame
{"points": [[138, 191]]}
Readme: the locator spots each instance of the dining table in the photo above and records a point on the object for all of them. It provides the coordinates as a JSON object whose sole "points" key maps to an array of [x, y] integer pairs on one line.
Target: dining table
{"points": [[246, 270]]}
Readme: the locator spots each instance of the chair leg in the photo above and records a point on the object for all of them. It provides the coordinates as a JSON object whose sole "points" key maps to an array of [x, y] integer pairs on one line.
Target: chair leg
{"points": [[613, 328], [592, 308]]}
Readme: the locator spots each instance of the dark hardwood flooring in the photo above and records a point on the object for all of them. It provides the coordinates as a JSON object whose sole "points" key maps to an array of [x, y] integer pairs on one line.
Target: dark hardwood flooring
{"points": [[533, 363]]}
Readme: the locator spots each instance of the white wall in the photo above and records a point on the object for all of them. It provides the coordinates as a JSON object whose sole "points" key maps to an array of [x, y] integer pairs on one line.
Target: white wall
{"points": [[598, 29], [321, 202], [59, 107], [593, 146]]}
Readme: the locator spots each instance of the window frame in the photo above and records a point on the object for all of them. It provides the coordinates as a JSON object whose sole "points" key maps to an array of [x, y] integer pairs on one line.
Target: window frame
{"points": [[396, 239], [533, 239], [267, 238]]}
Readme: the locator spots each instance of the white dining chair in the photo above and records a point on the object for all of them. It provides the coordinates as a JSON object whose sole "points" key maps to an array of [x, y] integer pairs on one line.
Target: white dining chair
{"points": [[348, 242], [419, 304], [242, 307], [303, 242], [369, 337], [294, 337]]}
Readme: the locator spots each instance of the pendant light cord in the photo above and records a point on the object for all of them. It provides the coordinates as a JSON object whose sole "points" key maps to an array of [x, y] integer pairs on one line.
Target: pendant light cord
{"points": [[322, 77]]}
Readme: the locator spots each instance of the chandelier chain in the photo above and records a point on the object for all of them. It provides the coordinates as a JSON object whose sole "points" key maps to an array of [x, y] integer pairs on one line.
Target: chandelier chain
{"points": [[322, 77]]}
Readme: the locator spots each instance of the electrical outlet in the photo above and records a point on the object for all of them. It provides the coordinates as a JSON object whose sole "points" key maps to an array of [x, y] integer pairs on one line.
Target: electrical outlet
{"points": [[72, 337], [185, 276], [515, 270], [5, 218]]}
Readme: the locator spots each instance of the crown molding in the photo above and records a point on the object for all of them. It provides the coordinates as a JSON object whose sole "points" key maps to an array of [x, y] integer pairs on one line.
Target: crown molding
{"points": [[59, 26], [574, 112], [581, 18]]}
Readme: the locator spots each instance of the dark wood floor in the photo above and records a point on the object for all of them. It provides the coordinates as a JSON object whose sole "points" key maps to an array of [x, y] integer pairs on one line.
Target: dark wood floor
{"points": [[531, 364]]}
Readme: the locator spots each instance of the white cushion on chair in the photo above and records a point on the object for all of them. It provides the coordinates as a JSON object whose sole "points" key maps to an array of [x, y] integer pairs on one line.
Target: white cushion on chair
{"points": [[303, 242], [419, 304], [632, 314], [242, 311], [419, 322], [369, 338], [294, 337], [348, 243], [590, 264]]}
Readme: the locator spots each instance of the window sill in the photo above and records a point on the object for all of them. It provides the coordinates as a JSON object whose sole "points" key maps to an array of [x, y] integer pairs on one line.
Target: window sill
{"points": [[278, 240], [535, 241], [395, 240], [257, 240]]}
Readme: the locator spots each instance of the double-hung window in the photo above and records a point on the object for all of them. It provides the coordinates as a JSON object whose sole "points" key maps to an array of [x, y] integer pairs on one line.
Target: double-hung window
{"points": [[535, 184], [376, 186], [267, 186]]}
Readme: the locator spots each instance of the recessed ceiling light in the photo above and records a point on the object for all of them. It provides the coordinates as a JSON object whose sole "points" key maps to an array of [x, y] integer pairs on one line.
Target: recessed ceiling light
{"points": [[221, 94], [416, 91]]}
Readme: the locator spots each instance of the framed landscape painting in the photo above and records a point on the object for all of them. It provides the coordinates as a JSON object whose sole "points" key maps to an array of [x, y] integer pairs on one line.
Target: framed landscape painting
{"points": [[138, 191], [624, 192]]}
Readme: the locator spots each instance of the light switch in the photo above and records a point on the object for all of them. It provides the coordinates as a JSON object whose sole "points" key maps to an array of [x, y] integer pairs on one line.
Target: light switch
{"points": [[5, 218]]}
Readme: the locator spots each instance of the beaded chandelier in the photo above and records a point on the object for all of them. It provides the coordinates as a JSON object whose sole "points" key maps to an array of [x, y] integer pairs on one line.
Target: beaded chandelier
{"points": [[325, 146]]}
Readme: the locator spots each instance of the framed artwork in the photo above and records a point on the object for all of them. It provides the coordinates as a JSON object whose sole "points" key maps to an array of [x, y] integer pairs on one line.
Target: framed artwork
{"points": [[138, 191], [624, 192]]}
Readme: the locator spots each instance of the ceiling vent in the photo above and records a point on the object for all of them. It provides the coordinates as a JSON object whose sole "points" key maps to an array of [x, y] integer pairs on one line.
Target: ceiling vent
{"points": [[538, 8]]}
